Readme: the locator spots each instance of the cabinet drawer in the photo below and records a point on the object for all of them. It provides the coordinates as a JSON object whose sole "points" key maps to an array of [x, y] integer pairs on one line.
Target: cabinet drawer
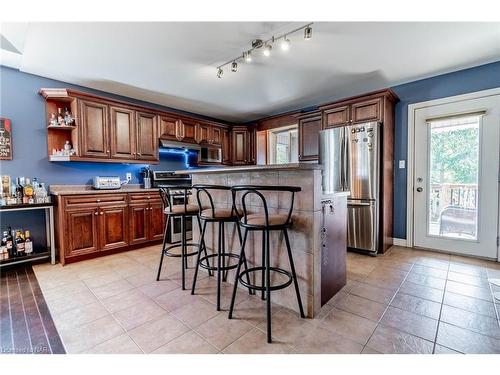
{"points": [[370, 110], [90, 200], [338, 116], [150, 196]]}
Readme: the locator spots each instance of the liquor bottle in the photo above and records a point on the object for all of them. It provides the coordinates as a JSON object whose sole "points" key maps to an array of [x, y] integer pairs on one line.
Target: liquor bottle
{"points": [[28, 244], [4, 252], [19, 242], [19, 191], [28, 192], [9, 242]]}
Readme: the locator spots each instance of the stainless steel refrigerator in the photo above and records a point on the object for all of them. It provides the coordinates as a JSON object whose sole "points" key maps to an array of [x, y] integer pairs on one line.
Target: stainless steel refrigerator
{"points": [[351, 162]]}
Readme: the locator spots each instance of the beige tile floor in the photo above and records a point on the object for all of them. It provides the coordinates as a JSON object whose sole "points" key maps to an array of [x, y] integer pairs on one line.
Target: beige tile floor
{"points": [[407, 301]]}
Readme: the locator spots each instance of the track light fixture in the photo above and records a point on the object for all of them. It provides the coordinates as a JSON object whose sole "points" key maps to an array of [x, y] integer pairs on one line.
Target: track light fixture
{"points": [[267, 46], [308, 33]]}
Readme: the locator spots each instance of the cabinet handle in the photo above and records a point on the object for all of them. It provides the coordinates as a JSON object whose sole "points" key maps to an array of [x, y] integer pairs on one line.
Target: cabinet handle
{"points": [[149, 197], [139, 154], [96, 213], [98, 200]]}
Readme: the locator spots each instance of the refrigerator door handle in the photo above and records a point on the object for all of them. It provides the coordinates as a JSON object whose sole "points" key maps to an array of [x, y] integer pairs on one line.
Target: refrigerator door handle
{"points": [[342, 157], [345, 161], [358, 204]]}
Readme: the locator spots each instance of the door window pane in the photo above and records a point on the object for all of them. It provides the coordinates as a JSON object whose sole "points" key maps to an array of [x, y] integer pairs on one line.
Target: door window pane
{"points": [[283, 145], [453, 181]]}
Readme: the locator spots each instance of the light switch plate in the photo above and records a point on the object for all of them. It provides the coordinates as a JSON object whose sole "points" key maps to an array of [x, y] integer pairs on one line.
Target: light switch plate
{"points": [[402, 164]]}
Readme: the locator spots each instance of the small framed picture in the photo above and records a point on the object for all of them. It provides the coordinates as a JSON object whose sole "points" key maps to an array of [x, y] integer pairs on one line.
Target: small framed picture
{"points": [[5, 139]]}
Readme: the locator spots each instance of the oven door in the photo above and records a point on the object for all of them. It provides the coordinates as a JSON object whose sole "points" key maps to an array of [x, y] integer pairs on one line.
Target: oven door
{"points": [[210, 155], [174, 233]]}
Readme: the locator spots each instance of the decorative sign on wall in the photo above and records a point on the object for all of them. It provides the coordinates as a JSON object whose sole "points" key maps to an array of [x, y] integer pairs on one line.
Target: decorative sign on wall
{"points": [[5, 139]]}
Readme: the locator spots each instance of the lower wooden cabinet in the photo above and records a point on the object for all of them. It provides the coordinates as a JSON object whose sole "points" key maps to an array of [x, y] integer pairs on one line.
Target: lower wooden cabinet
{"points": [[94, 224]]}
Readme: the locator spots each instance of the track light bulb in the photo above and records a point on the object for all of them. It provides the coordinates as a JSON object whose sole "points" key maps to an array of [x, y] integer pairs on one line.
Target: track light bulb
{"points": [[234, 66], [267, 50], [308, 33], [220, 73], [285, 44], [247, 55]]}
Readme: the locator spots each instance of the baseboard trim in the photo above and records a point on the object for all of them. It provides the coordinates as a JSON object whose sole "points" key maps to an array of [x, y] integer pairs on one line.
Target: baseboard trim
{"points": [[400, 242]]}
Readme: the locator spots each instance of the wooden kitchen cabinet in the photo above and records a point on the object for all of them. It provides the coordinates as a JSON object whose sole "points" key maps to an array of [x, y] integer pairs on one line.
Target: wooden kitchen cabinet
{"points": [[367, 110], [226, 146], [243, 145], [80, 226], [187, 130], [147, 136], [122, 133], [309, 128], [93, 224], [216, 135], [169, 128], [113, 227], [94, 129], [336, 116]]}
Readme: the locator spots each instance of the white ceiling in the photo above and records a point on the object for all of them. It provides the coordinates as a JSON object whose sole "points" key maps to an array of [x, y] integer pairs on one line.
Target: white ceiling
{"points": [[174, 64]]}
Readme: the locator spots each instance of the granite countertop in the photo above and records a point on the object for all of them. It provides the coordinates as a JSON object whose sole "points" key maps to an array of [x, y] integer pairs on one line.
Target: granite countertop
{"points": [[250, 168], [87, 189]]}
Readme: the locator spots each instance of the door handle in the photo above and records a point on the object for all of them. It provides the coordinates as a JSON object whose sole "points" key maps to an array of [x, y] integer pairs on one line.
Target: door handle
{"points": [[358, 204], [420, 189]]}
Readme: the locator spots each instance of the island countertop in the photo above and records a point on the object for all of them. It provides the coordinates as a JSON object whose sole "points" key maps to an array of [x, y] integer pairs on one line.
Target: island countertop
{"points": [[252, 168], [88, 189]]}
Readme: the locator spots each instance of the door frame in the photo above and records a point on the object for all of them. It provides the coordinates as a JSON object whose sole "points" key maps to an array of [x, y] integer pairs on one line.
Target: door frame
{"points": [[410, 161]]}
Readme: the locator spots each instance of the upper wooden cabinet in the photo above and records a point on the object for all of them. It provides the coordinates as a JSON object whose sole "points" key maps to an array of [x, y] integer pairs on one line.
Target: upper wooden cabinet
{"points": [[226, 146], [367, 110], [122, 133], [147, 136], [94, 129], [336, 116], [169, 128], [309, 128], [243, 145], [188, 130]]}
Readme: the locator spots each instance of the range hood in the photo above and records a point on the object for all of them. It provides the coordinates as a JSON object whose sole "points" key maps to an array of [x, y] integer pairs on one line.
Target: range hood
{"points": [[179, 145]]}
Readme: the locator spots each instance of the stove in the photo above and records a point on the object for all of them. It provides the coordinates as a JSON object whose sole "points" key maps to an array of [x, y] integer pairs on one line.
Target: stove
{"points": [[169, 179]]}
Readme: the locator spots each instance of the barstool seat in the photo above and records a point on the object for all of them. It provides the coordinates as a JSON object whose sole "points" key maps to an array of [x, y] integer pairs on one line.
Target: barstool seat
{"points": [[260, 219], [220, 213], [180, 209]]}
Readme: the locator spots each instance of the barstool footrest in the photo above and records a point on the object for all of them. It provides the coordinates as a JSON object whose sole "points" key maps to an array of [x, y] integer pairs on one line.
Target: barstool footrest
{"points": [[262, 269], [223, 267], [167, 252]]}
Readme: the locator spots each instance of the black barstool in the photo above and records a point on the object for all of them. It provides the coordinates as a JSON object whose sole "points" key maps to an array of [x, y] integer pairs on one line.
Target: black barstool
{"points": [[265, 223], [222, 216], [179, 210]]}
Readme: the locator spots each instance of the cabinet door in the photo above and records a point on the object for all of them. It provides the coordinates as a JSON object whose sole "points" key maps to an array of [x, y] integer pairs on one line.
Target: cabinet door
{"points": [[226, 146], [156, 220], [122, 133], [147, 138], [251, 146], [94, 128], [138, 222], [368, 110], [113, 227], [169, 128], [239, 147], [203, 135], [189, 132], [338, 116], [81, 233], [216, 136], [309, 129]]}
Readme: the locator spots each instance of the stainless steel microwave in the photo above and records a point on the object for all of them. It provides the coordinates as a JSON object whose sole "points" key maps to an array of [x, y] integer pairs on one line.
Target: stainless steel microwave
{"points": [[210, 154]]}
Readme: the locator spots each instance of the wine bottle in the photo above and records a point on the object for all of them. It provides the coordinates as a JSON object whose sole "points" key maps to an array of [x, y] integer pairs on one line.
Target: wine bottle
{"points": [[19, 241], [28, 244], [9, 242]]}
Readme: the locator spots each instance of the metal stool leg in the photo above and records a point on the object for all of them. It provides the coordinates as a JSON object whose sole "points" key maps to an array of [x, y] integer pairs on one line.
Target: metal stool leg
{"points": [[202, 245], [223, 251], [263, 281], [163, 247], [236, 278], [183, 243], [292, 267], [245, 264], [219, 259], [268, 288], [198, 258]]}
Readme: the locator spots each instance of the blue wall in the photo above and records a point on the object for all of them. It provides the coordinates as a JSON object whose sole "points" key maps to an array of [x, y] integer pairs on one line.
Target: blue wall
{"points": [[21, 103], [461, 82]]}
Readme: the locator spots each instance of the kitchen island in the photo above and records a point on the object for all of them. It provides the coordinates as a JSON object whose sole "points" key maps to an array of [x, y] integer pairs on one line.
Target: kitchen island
{"points": [[317, 236]]}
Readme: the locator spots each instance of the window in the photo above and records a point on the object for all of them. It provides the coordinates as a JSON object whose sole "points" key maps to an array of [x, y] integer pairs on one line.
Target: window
{"points": [[283, 145]]}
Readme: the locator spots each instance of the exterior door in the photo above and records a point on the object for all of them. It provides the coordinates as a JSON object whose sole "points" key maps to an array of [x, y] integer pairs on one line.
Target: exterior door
{"points": [[82, 231], [456, 176], [122, 133], [94, 129], [113, 227], [147, 139]]}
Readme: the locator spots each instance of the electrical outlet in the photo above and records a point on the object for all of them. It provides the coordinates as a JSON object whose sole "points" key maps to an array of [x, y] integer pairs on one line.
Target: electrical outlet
{"points": [[402, 164], [128, 176]]}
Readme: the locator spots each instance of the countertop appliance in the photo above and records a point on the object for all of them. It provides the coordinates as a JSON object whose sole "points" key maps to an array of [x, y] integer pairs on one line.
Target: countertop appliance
{"points": [[106, 182], [167, 179], [351, 159]]}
